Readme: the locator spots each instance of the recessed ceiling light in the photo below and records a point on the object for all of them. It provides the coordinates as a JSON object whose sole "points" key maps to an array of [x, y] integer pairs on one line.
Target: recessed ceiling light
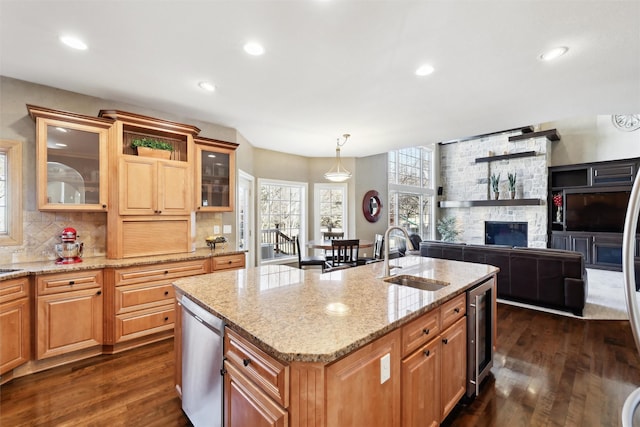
{"points": [[554, 53], [208, 86], [424, 70], [253, 48], [73, 42]]}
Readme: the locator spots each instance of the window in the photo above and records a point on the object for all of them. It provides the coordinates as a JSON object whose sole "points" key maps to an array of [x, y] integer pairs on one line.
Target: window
{"points": [[411, 190], [331, 205], [10, 193], [282, 218]]}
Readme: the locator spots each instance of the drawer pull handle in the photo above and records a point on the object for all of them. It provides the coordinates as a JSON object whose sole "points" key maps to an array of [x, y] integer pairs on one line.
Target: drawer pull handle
{"points": [[427, 353], [246, 362], [425, 331], [166, 318], [457, 310], [99, 293], [72, 282], [446, 341], [166, 272], [166, 293], [230, 261]]}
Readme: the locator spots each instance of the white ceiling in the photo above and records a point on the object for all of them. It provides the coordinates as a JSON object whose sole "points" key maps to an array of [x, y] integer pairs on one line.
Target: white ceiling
{"points": [[337, 66]]}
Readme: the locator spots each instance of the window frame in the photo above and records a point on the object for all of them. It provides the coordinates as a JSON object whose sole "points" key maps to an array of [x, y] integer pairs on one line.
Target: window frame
{"points": [[395, 189], [317, 188], [302, 232], [13, 152]]}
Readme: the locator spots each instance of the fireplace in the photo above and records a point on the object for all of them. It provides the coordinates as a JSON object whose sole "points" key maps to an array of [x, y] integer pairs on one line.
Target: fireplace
{"points": [[505, 233]]}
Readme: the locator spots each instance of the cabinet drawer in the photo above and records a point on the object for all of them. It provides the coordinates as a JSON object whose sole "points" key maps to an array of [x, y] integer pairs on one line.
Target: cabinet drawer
{"points": [[166, 271], [227, 262], [453, 310], [14, 289], [144, 322], [141, 296], [66, 282], [266, 372], [419, 331]]}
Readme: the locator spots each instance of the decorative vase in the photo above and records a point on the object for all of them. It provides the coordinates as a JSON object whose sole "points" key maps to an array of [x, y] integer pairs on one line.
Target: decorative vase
{"points": [[496, 195], [559, 214], [513, 194]]}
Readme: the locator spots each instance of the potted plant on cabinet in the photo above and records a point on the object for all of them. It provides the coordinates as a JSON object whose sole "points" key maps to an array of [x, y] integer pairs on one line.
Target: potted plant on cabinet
{"points": [[149, 147], [495, 185], [512, 184]]}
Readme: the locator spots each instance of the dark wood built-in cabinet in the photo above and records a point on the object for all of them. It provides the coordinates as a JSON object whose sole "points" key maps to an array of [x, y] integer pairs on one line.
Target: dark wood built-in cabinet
{"points": [[587, 206]]}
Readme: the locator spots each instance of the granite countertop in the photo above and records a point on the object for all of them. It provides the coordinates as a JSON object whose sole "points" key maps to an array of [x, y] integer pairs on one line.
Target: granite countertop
{"points": [[306, 316], [49, 266]]}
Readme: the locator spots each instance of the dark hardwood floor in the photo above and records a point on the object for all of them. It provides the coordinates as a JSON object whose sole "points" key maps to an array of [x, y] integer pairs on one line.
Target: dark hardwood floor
{"points": [[549, 370]]}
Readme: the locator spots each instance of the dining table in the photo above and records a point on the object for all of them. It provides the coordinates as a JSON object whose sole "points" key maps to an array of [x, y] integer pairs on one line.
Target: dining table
{"points": [[326, 244]]}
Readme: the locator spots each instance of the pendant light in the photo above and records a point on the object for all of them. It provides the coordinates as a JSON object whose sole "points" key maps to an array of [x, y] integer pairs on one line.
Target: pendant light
{"points": [[338, 173]]}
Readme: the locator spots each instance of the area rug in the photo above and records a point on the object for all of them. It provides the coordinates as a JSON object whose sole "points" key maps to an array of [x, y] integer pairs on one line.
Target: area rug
{"points": [[605, 297]]}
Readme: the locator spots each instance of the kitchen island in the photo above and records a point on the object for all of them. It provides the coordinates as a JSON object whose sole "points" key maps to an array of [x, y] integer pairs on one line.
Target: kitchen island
{"points": [[304, 348]]}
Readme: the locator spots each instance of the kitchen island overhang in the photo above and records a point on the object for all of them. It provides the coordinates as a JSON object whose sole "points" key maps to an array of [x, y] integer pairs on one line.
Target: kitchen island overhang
{"points": [[305, 316]]}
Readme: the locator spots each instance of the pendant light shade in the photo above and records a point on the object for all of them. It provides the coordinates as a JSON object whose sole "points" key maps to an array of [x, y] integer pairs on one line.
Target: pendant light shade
{"points": [[338, 173]]}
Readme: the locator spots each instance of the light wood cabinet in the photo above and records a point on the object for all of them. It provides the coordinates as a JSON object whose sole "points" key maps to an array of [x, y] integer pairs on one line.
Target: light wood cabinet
{"points": [[215, 175], [453, 365], [154, 187], [421, 386], [140, 306], [358, 393], [71, 160], [68, 312], [256, 386], [15, 339], [228, 262]]}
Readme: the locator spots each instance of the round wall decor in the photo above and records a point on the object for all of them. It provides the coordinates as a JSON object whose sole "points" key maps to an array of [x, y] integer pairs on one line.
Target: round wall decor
{"points": [[371, 206], [626, 122]]}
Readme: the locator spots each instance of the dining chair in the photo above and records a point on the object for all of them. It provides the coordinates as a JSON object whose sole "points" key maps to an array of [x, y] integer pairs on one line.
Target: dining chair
{"points": [[377, 251], [344, 253], [309, 260]]}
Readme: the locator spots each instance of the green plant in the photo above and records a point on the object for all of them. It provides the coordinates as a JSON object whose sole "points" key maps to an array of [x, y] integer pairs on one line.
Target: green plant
{"points": [[447, 228], [512, 181], [495, 182], [152, 143]]}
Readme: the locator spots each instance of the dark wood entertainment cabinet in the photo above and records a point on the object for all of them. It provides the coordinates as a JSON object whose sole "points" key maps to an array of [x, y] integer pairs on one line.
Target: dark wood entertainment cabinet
{"points": [[601, 249]]}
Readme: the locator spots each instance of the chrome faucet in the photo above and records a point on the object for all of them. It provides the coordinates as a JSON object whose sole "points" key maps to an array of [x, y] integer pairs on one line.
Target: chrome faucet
{"points": [[387, 267]]}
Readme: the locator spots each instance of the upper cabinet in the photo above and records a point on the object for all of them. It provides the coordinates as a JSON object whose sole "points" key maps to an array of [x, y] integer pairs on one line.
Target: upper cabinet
{"points": [[215, 175], [159, 182], [72, 160]]}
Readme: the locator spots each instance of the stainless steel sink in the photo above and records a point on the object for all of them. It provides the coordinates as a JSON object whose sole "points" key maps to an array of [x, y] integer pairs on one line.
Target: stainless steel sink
{"points": [[417, 282]]}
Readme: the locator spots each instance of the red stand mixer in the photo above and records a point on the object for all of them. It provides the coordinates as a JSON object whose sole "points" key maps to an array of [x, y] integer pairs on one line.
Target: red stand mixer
{"points": [[69, 251]]}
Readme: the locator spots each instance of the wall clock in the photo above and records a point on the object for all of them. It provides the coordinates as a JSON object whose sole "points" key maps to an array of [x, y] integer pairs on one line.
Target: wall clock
{"points": [[626, 122]]}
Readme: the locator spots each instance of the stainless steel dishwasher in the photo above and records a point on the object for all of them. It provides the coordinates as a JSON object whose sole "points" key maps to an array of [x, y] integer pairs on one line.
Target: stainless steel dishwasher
{"points": [[202, 353]]}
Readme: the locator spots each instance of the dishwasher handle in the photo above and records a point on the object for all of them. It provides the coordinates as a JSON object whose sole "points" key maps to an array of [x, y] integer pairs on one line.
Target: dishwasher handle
{"points": [[209, 320]]}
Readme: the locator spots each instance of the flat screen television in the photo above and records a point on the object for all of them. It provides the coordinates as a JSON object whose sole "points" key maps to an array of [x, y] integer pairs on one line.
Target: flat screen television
{"points": [[505, 233], [603, 212]]}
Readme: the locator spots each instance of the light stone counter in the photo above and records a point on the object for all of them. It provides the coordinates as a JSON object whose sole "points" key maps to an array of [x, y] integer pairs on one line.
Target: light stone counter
{"points": [[46, 267], [306, 316]]}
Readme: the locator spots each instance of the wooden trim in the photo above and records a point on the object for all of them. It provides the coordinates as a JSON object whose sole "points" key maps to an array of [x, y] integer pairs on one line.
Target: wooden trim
{"points": [[13, 150], [69, 117], [149, 122], [215, 143]]}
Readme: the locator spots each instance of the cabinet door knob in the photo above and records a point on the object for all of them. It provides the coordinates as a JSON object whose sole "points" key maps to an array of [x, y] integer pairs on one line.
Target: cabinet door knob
{"points": [[159, 212], [445, 340], [427, 353], [71, 282], [246, 362], [99, 293], [166, 272], [166, 293], [425, 331], [166, 318], [457, 310], [104, 206]]}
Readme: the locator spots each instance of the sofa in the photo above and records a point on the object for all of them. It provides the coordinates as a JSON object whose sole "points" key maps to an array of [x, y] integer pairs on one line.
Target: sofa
{"points": [[544, 277]]}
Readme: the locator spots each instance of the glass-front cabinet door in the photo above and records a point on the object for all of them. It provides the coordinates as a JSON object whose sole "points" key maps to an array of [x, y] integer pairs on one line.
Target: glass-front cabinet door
{"points": [[71, 160], [215, 175]]}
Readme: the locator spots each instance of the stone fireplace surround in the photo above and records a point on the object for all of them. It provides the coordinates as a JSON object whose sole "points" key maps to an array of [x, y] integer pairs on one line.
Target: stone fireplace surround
{"points": [[464, 179]]}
